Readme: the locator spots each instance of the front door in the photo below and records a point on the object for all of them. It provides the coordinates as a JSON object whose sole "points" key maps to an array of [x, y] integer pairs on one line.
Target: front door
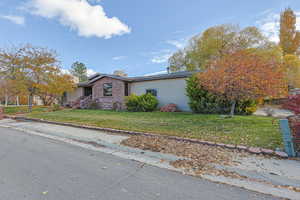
{"points": [[88, 91]]}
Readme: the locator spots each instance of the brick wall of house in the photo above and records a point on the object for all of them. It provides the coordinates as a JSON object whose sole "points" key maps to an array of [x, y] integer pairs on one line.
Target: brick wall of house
{"points": [[118, 93]]}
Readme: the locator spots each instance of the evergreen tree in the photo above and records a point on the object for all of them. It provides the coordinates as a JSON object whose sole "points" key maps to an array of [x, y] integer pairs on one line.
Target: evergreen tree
{"points": [[79, 70]]}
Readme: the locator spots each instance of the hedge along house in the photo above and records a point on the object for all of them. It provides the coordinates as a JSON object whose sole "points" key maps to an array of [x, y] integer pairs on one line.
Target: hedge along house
{"points": [[108, 90]]}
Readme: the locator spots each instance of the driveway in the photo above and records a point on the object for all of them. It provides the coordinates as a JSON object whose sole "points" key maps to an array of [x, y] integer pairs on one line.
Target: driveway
{"points": [[34, 167]]}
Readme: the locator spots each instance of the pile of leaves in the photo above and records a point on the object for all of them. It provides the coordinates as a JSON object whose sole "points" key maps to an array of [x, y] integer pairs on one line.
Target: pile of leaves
{"points": [[200, 158]]}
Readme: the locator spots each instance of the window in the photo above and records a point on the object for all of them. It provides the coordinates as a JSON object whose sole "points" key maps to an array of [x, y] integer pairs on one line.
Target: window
{"points": [[152, 91], [126, 89], [107, 89]]}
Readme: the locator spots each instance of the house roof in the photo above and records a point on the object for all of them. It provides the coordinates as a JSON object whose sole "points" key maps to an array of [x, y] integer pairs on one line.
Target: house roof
{"points": [[98, 76], [94, 78], [182, 74]]}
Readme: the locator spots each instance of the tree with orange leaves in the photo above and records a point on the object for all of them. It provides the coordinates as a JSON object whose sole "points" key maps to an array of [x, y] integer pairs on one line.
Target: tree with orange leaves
{"points": [[289, 36], [52, 89], [244, 75], [35, 71]]}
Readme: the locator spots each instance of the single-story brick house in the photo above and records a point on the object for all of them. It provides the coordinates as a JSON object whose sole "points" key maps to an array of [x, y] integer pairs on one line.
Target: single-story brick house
{"points": [[108, 89]]}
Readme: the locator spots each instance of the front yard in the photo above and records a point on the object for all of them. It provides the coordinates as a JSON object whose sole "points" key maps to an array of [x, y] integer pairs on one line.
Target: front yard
{"points": [[13, 110], [243, 130]]}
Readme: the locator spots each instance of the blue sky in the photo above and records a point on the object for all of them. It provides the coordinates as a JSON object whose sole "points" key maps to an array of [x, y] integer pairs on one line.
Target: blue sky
{"points": [[137, 36]]}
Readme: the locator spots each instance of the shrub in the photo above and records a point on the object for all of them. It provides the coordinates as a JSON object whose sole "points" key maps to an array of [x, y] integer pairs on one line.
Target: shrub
{"points": [[143, 103], [203, 101], [132, 103], [246, 107], [147, 102], [293, 103], [169, 108], [56, 107]]}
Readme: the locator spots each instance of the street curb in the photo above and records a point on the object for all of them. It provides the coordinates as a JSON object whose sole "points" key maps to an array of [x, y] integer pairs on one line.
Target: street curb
{"points": [[252, 150]]}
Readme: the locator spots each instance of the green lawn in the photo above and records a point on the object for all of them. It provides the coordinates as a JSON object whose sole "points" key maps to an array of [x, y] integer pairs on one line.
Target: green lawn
{"points": [[12, 110], [244, 130]]}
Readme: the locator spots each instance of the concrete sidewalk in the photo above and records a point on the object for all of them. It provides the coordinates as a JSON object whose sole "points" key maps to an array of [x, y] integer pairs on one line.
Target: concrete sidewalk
{"points": [[265, 175], [108, 143]]}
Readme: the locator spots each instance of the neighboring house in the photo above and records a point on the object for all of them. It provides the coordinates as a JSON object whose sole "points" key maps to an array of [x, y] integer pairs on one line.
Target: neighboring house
{"points": [[20, 100], [110, 89]]}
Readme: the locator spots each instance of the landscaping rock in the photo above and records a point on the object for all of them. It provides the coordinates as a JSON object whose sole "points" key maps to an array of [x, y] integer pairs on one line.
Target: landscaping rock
{"points": [[254, 150], [267, 151], [210, 143], [221, 144], [241, 148], [281, 154], [230, 146]]}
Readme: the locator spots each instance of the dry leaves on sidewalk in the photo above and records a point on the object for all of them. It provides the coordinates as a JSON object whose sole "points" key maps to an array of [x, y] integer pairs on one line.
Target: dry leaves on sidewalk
{"points": [[201, 157]]}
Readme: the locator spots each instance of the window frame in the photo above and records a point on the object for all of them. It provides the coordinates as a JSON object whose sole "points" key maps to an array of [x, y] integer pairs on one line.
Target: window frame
{"points": [[152, 91], [104, 86]]}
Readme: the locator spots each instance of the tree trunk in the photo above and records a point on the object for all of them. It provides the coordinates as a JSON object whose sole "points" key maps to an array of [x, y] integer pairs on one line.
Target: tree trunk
{"points": [[232, 108], [17, 101], [6, 100], [30, 99]]}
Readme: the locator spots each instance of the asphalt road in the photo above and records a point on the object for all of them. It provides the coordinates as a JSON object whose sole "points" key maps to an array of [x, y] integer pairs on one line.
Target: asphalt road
{"points": [[36, 168]]}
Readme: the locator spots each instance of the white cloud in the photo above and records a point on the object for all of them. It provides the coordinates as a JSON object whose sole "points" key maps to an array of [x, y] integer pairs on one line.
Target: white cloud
{"points": [[91, 72], [298, 20], [177, 43], [270, 24], [161, 58], [119, 57], [80, 15], [65, 71], [94, 1], [14, 19]]}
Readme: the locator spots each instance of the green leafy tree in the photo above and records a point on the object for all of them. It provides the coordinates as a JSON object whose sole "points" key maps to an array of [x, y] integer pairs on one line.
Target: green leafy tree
{"points": [[289, 36], [216, 42], [186, 59], [79, 70]]}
